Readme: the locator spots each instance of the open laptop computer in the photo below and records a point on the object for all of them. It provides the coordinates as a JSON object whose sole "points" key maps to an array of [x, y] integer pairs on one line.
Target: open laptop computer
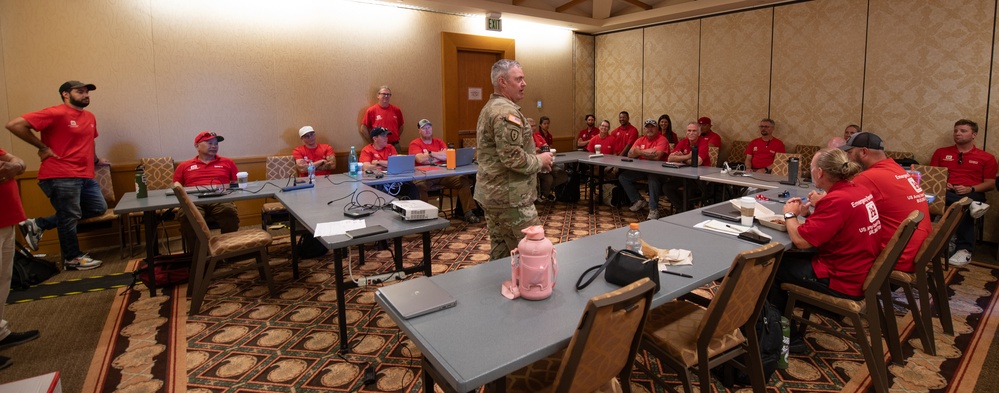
{"points": [[464, 156], [416, 297], [724, 211], [398, 165]]}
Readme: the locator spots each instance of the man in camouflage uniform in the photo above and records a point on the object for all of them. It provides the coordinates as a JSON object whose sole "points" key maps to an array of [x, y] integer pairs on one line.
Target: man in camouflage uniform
{"points": [[506, 184]]}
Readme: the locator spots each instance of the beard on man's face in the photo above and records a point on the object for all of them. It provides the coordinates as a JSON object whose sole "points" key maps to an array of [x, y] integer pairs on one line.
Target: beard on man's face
{"points": [[79, 104]]}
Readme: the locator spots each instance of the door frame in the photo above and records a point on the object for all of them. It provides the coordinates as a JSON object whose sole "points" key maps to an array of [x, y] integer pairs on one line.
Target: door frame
{"points": [[451, 43]]}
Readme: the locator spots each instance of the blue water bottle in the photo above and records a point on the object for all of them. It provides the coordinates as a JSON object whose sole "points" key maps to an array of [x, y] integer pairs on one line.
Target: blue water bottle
{"points": [[312, 171]]}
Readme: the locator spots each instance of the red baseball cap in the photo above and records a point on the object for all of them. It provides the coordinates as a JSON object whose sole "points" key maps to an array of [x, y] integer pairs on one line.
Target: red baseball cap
{"points": [[704, 120], [206, 135]]}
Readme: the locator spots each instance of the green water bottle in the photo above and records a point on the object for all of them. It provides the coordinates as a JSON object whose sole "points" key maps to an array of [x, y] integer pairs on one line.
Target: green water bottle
{"points": [[140, 183], [785, 346]]}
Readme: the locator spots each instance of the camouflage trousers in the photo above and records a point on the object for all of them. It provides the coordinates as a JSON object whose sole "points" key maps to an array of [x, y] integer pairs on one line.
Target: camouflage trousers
{"points": [[505, 225]]}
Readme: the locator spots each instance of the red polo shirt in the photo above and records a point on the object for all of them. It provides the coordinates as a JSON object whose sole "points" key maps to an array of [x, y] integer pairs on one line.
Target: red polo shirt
{"points": [[13, 211], [966, 169], [194, 172], [896, 194], [764, 151]]}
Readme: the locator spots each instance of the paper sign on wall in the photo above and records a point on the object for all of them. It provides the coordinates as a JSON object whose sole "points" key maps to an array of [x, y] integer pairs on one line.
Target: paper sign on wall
{"points": [[475, 94]]}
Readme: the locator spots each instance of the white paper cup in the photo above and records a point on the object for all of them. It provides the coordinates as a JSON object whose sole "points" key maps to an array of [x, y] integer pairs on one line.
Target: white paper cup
{"points": [[243, 179], [597, 148], [747, 208]]}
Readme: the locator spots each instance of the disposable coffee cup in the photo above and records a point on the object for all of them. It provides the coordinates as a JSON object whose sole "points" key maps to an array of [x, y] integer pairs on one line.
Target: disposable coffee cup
{"points": [[243, 179], [747, 208], [597, 148]]}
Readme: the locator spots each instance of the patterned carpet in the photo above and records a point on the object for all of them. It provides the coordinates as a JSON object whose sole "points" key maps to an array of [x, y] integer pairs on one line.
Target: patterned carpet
{"points": [[246, 341]]}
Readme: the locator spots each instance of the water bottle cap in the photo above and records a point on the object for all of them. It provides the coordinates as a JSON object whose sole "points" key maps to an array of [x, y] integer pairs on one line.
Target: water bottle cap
{"points": [[634, 226]]}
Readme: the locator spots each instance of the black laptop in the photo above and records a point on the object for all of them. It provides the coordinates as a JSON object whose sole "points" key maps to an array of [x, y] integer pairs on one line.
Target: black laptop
{"points": [[724, 211]]}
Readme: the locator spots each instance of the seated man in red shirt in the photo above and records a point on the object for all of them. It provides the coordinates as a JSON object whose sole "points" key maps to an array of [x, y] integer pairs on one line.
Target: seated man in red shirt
{"points": [[374, 157], [654, 147], [761, 151], [583, 139], [683, 153], [208, 169], [706, 133], [971, 173], [626, 134], [320, 154], [432, 151], [896, 194]]}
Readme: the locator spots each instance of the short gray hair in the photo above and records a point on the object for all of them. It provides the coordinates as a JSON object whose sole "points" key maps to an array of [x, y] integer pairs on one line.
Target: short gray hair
{"points": [[502, 68]]}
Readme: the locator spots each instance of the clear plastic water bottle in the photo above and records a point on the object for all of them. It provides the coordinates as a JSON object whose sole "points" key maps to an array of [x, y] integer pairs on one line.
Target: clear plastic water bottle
{"points": [[312, 171], [352, 165], [634, 240]]}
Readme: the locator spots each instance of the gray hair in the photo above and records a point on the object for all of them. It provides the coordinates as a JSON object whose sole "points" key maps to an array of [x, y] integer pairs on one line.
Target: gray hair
{"points": [[500, 69]]}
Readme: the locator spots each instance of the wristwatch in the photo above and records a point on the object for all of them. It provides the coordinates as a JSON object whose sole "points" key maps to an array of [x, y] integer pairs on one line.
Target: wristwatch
{"points": [[789, 215]]}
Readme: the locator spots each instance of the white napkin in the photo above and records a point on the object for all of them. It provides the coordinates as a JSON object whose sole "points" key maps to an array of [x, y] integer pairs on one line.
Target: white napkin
{"points": [[760, 212], [676, 257], [721, 227]]}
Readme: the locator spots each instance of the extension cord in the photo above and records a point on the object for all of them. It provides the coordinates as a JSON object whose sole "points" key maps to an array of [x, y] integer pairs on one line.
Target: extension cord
{"points": [[298, 187], [380, 279]]}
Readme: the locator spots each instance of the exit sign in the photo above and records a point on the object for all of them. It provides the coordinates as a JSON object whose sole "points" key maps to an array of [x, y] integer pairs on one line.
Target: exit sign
{"points": [[494, 24]]}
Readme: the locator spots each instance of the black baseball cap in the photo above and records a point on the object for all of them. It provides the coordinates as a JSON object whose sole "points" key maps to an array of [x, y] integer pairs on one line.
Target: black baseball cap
{"points": [[70, 85], [864, 139], [379, 131]]}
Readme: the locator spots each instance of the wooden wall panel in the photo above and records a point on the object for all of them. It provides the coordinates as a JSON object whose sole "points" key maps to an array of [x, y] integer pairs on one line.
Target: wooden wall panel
{"points": [[928, 65], [816, 93], [671, 71], [619, 76], [735, 73], [583, 84]]}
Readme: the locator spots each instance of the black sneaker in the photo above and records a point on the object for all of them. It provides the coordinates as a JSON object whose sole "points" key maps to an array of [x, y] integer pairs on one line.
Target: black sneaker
{"points": [[797, 345], [18, 338], [5, 362]]}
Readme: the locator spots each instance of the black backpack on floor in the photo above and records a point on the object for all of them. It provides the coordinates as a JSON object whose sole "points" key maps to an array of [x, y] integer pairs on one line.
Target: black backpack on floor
{"points": [[30, 270]]}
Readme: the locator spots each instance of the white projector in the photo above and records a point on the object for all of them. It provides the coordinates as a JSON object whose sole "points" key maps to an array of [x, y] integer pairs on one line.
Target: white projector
{"points": [[411, 210]]}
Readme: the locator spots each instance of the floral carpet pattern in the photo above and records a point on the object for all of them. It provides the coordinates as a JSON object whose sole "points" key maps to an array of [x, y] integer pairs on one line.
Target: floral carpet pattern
{"points": [[246, 341]]}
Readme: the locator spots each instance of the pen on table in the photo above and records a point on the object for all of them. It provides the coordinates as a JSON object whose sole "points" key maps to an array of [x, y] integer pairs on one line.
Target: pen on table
{"points": [[677, 274]]}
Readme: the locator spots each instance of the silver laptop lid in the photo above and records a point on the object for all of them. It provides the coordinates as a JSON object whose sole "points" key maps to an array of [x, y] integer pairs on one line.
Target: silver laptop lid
{"points": [[417, 297], [398, 165], [724, 211], [464, 156]]}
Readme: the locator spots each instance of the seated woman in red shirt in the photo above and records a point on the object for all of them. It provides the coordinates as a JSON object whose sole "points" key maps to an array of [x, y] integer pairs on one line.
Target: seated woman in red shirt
{"points": [[843, 228], [606, 141]]}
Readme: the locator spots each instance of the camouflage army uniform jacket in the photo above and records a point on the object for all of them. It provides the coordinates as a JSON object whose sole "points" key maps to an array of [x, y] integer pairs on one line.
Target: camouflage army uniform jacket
{"points": [[508, 168]]}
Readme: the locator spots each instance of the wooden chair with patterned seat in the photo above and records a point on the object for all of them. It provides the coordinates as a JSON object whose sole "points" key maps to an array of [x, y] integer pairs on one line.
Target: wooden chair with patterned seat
{"points": [[806, 152], [277, 167], [780, 163], [102, 175], [933, 181], [232, 247], [900, 155], [737, 153], [684, 335], [867, 311], [919, 282], [601, 354]]}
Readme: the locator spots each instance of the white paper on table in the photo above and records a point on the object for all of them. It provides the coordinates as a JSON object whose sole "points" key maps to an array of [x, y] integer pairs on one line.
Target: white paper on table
{"points": [[676, 257], [760, 212], [721, 227], [338, 227]]}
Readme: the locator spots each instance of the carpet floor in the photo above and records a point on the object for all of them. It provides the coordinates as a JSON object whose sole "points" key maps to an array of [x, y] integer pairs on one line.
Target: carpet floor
{"points": [[246, 341]]}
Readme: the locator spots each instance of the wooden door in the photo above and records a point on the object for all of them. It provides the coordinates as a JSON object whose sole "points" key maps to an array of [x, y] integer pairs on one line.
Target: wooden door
{"points": [[474, 89], [466, 61]]}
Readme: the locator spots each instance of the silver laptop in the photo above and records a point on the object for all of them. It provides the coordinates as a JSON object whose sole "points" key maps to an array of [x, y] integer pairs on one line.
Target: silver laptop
{"points": [[464, 156], [674, 164], [398, 165], [416, 297], [724, 211]]}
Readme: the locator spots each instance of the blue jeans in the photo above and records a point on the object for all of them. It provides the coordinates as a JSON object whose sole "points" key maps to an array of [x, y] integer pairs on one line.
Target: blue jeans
{"points": [[628, 179], [966, 227], [73, 200]]}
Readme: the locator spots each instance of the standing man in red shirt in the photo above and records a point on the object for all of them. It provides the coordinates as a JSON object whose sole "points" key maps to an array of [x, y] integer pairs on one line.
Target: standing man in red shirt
{"points": [[11, 214], [971, 173], [896, 194], [66, 175], [626, 134], [432, 151], [383, 114], [321, 154], [761, 151], [587, 133], [210, 169], [707, 134]]}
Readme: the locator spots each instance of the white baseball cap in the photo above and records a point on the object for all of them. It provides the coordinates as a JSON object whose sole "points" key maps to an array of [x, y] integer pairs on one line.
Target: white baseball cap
{"points": [[305, 130]]}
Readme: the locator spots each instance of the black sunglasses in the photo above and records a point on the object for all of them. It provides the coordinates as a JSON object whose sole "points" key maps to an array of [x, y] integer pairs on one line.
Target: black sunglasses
{"points": [[960, 158]]}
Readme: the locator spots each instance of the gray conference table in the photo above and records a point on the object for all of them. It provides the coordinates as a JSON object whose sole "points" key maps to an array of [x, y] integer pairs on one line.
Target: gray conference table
{"points": [[325, 203], [487, 336], [648, 166], [420, 173]]}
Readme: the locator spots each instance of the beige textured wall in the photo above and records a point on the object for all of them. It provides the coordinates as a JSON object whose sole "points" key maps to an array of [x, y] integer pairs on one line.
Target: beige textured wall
{"points": [[816, 93], [619, 76], [671, 70], [583, 72], [253, 71]]}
